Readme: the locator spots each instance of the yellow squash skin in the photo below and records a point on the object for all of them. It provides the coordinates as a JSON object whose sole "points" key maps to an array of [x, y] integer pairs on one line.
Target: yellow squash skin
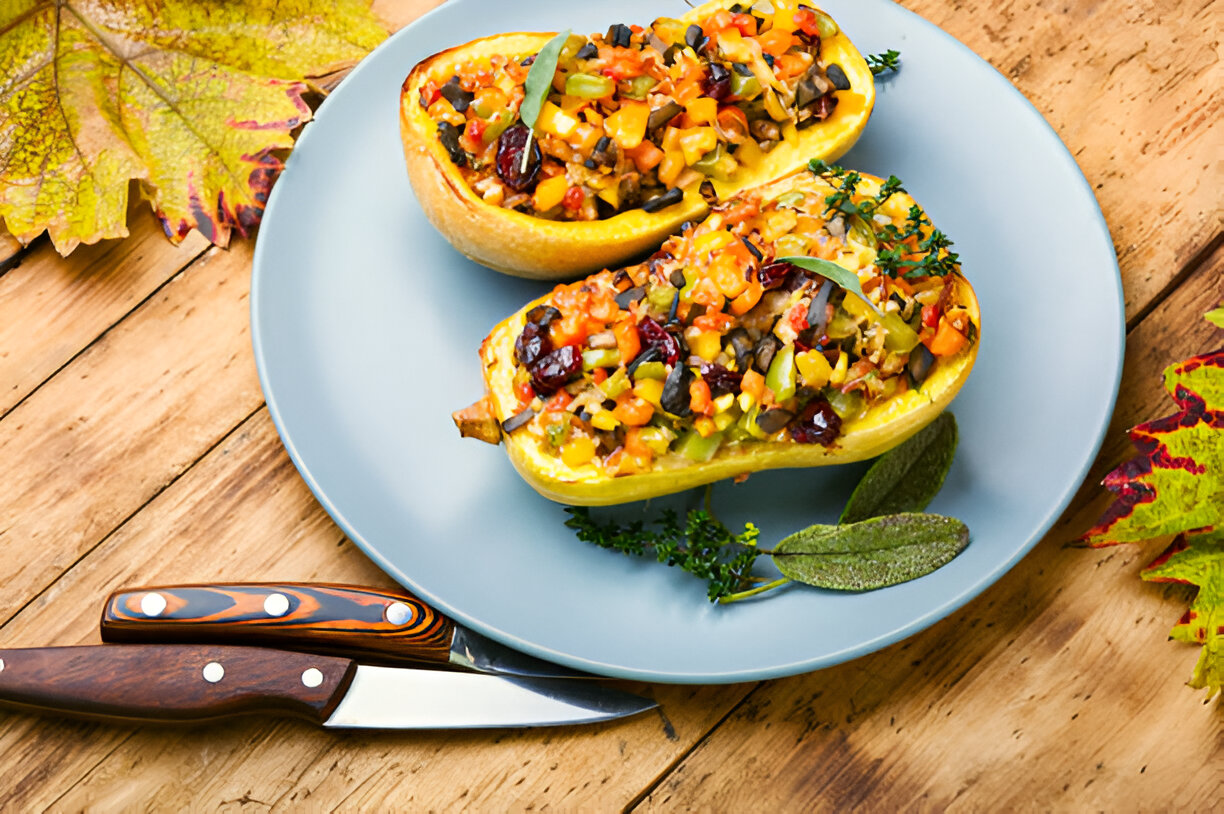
{"points": [[881, 427], [537, 248]]}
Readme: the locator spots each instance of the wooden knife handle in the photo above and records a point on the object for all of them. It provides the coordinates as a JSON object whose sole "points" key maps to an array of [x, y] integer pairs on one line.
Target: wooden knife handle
{"points": [[172, 683], [373, 625]]}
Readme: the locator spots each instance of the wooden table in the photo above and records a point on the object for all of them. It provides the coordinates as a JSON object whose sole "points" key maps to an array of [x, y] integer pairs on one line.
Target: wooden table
{"points": [[135, 447]]}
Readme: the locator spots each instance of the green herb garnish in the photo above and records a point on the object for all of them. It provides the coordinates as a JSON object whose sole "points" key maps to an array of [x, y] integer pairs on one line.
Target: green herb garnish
{"points": [[826, 268], [890, 60], [540, 78], [894, 257], [908, 476], [873, 553]]}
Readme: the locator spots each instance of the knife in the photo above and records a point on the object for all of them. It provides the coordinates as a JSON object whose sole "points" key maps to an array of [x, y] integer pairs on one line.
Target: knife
{"points": [[388, 627], [188, 683]]}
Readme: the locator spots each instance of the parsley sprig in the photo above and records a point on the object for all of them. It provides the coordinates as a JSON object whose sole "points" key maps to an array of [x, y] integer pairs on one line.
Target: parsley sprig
{"points": [[896, 255], [890, 60], [702, 546]]}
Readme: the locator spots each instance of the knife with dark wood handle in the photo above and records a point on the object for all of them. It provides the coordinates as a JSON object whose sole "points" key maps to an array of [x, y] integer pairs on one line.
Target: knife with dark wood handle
{"points": [[186, 683], [390, 627]]}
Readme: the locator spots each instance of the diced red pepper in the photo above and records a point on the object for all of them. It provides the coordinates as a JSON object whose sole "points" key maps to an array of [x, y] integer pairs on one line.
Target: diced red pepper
{"points": [[806, 21], [746, 24], [558, 402], [797, 317], [930, 315]]}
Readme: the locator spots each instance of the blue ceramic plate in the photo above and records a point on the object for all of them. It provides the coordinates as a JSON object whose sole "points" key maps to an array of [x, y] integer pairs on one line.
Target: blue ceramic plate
{"points": [[366, 325]]}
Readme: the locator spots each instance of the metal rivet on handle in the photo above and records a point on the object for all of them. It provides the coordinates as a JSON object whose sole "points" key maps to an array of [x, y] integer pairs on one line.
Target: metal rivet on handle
{"points": [[398, 613], [152, 604], [312, 677], [276, 604], [213, 672]]}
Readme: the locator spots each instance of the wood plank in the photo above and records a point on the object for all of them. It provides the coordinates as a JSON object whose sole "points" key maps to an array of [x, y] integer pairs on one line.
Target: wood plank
{"points": [[1056, 688], [243, 512], [53, 307], [1137, 93], [123, 419]]}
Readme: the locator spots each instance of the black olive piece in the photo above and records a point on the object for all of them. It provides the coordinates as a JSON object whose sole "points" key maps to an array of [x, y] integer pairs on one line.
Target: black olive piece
{"points": [[718, 73], [752, 248], [605, 152], [741, 347], [769, 60], [669, 56], [672, 197], [456, 95], [742, 69], [693, 35], [618, 35], [676, 398], [676, 278], [590, 164], [764, 352], [527, 61], [662, 115], [919, 365], [707, 192], [448, 135], [807, 92], [588, 51], [518, 420], [542, 315], [772, 421], [650, 354], [671, 312], [695, 310], [609, 404], [627, 298], [736, 8], [837, 76]]}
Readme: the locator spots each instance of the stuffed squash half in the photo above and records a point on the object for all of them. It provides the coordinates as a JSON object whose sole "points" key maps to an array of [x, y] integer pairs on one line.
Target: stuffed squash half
{"points": [[732, 349], [640, 130]]}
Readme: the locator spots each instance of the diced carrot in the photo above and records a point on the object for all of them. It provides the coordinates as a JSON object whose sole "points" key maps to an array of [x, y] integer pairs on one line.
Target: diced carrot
{"points": [[628, 342], [746, 301], [631, 410], [524, 392], [699, 397], [947, 340], [599, 374], [728, 275], [789, 65], [775, 41], [706, 292], [714, 322], [753, 384], [635, 447], [646, 156], [558, 402]]}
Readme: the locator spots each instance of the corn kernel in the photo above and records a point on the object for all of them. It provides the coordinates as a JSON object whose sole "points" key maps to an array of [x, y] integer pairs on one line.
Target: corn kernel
{"points": [[650, 390], [746, 401], [814, 368], [838, 376], [578, 451], [723, 403], [706, 344], [705, 426], [604, 421], [549, 193]]}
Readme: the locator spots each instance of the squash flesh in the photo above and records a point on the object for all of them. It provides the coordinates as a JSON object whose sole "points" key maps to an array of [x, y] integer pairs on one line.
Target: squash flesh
{"points": [[524, 245], [881, 426]]}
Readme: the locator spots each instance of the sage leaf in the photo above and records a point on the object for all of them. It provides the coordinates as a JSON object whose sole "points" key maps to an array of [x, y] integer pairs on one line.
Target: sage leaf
{"points": [[871, 554], [907, 477], [540, 78], [840, 276]]}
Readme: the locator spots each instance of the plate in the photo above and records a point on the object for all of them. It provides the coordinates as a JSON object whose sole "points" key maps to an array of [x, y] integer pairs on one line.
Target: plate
{"points": [[366, 325]]}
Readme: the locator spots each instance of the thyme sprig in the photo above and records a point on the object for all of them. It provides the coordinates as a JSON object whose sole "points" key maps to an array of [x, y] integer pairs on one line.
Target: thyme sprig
{"points": [[918, 250], [890, 60], [702, 546]]}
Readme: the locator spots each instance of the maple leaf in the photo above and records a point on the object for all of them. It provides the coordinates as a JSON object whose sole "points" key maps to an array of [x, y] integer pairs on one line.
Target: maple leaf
{"points": [[1176, 486], [1198, 560], [194, 99]]}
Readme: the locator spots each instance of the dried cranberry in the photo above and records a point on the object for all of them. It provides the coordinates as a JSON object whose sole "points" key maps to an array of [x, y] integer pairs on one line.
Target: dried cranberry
{"points": [[510, 146], [817, 424], [717, 84], [552, 370], [720, 379], [775, 274], [531, 344], [654, 336]]}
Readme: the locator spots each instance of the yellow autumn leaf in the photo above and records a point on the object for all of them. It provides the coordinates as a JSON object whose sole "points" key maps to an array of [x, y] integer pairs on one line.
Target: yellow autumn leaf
{"points": [[194, 99]]}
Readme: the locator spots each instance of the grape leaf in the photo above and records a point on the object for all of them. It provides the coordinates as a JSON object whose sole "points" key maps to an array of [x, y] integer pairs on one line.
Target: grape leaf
{"points": [[1198, 560], [194, 99], [1176, 486]]}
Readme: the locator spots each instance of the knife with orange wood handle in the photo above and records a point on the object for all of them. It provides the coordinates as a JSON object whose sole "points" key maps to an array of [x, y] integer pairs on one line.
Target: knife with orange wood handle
{"points": [[390, 627]]}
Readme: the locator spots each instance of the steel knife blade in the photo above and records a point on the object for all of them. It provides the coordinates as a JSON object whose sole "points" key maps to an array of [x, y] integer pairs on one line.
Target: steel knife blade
{"points": [[387, 627], [186, 683]]}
